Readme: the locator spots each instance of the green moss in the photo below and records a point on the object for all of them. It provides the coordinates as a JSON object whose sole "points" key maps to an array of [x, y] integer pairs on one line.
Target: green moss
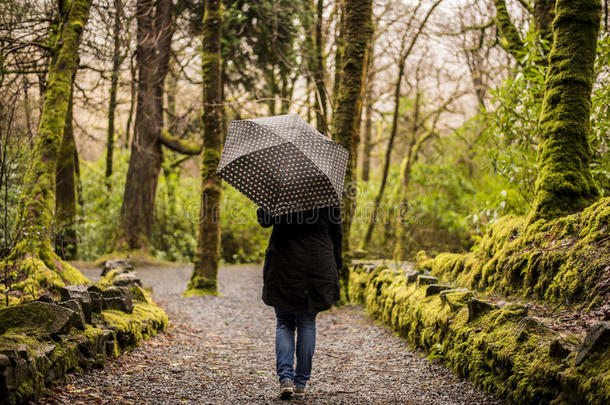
{"points": [[500, 350], [199, 286], [563, 261], [565, 183], [146, 319]]}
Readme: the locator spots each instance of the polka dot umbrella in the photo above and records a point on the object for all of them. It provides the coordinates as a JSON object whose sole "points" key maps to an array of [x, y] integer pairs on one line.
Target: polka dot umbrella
{"points": [[283, 164]]}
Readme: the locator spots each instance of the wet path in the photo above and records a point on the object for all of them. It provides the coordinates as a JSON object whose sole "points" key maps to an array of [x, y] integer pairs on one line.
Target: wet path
{"points": [[220, 350]]}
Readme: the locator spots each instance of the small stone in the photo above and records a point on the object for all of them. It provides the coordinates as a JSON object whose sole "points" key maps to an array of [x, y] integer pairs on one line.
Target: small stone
{"points": [[120, 264], [127, 279], [456, 297], [412, 276], [42, 317], [4, 361], [46, 297], [78, 317], [97, 303], [434, 289], [118, 298], [598, 336], [477, 307], [426, 280], [80, 293], [558, 350]]}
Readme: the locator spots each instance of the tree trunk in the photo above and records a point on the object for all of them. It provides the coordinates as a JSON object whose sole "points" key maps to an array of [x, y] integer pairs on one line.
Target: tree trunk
{"points": [[114, 85], [65, 202], [544, 12], [367, 141], [346, 120], [154, 41], [35, 216], [510, 37], [565, 184], [132, 102], [207, 256], [339, 33], [318, 73]]}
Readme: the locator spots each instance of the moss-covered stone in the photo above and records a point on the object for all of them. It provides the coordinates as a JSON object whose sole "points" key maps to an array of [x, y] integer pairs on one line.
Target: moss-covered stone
{"points": [[563, 261], [502, 350]]}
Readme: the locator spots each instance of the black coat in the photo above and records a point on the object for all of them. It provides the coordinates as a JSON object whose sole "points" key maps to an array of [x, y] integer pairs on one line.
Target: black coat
{"points": [[302, 260]]}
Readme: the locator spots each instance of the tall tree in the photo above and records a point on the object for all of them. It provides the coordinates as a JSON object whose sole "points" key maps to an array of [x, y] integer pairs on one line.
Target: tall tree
{"points": [[154, 34], [358, 33], [319, 72], [65, 188], [33, 248], [207, 256], [565, 184]]}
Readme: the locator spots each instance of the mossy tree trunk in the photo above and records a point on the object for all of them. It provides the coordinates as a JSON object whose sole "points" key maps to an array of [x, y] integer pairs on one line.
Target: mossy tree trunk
{"points": [[358, 33], [207, 256], [544, 12], [510, 39], [154, 35], [565, 183], [65, 201], [33, 248]]}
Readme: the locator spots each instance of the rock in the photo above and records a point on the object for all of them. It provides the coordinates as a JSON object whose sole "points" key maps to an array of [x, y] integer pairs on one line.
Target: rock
{"points": [[79, 316], [127, 279], [78, 292], [41, 318], [4, 361], [477, 307], [533, 324], [412, 276], [598, 337], [558, 349], [118, 298], [434, 289], [456, 298], [97, 303], [46, 297], [118, 264], [426, 280]]}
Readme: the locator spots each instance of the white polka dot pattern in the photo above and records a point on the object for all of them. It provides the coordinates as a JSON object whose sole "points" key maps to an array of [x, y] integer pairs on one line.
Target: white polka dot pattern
{"points": [[283, 164]]}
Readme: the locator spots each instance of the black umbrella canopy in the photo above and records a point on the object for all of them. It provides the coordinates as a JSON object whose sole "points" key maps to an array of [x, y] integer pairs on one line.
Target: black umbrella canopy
{"points": [[283, 164]]}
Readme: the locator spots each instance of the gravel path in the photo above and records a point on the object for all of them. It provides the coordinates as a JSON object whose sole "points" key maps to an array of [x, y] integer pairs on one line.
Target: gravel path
{"points": [[220, 350]]}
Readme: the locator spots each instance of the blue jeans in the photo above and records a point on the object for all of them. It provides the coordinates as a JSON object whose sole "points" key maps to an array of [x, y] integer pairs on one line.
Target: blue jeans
{"points": [[284, 346]]}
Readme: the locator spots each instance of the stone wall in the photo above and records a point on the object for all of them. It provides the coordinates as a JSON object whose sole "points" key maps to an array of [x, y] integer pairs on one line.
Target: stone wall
{"points": [[43, 339], [503, 347]]}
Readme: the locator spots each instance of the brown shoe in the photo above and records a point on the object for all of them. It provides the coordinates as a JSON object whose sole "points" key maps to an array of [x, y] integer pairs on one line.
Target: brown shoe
{"points": [[299, 392], [286, 389]]}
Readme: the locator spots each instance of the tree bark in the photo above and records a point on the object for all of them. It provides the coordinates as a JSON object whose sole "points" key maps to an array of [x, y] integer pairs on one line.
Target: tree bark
{"points": [[544, 13], [154, 36], [510, 37], [565, 183], [65, 202], [114, 85], [339, 33], [346, 120], [318, 73], [207, 256], [35, 214]]}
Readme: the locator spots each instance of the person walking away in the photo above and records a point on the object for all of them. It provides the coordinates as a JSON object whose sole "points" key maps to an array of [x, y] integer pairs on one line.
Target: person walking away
{"points": [[300, 279]]}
